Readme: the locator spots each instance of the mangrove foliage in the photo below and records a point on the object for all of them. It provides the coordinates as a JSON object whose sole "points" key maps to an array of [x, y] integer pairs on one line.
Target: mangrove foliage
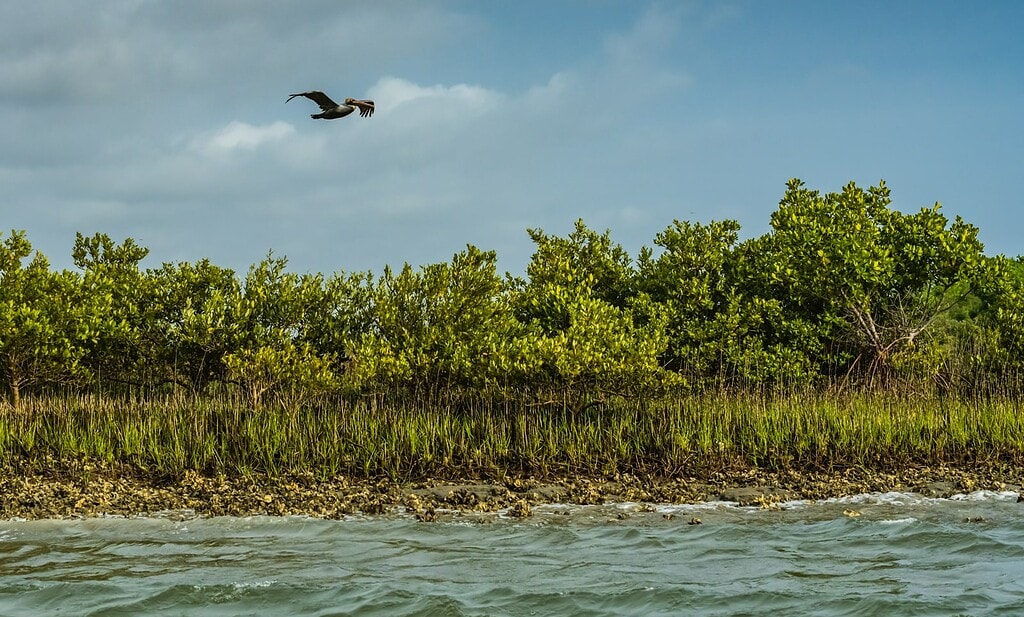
{"points": [[849, 332], [843, 291]]}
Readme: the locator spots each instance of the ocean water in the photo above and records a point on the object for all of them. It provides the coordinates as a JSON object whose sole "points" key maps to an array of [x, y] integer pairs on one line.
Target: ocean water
{"points": [[878, 554]]}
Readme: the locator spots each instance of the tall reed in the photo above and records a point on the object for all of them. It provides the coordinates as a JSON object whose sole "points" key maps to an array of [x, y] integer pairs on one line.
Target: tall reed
{"points": [[404, 440]]}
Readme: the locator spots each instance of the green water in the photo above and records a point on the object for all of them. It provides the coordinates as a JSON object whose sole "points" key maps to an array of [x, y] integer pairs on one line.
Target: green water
{"points": [[903, 555]]}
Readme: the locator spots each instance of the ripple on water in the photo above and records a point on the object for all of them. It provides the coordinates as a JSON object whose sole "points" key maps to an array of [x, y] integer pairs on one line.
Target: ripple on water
{"points": [[898, 557]]}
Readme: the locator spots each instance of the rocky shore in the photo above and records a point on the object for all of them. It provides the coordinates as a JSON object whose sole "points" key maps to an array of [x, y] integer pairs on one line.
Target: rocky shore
{"points": [[86, 490]]}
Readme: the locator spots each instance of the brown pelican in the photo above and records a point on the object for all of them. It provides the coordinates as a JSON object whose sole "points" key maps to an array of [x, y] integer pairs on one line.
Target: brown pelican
{"points": [[331, 110]]}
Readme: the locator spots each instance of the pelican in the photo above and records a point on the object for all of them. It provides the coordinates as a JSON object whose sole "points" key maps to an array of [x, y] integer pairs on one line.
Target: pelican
{"points": [[331, 110]]}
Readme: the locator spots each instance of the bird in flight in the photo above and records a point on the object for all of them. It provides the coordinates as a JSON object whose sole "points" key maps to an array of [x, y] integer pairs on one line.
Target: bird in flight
{"points": [[331, 110]]}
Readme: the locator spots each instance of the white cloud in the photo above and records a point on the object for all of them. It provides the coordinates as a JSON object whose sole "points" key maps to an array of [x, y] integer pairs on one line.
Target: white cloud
{"points": [[241, 136], [167, 122], [653, 32], [550, 93], [181, 123], [417, 104]]}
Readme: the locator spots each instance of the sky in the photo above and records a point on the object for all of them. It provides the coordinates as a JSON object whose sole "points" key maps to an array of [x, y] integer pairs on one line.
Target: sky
{"points": [[166, 121]]}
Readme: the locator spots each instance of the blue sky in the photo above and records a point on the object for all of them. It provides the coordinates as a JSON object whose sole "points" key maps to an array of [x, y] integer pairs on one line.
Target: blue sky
{"points": [[166, 121]]}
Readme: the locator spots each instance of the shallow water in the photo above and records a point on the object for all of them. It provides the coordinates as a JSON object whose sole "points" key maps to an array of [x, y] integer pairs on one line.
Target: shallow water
{"points": [[867, 555]]}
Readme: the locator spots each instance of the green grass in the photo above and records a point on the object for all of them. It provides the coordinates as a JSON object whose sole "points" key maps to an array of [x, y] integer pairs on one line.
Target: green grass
{"points": [[802, 431]]}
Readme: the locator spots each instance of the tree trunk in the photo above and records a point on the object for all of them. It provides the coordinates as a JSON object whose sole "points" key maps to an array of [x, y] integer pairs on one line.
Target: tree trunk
{"points": [[15, 381]]}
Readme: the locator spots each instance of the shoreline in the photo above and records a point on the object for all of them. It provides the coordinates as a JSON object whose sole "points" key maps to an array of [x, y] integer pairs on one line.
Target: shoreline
{"points": [[86, 490]]}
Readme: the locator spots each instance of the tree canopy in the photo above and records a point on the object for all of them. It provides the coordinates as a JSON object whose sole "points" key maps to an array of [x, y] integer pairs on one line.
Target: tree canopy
{"points": [[843, 290]]}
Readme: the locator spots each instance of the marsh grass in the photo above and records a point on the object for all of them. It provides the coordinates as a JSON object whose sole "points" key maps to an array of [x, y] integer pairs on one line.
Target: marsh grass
{"points": [[406, 441]]}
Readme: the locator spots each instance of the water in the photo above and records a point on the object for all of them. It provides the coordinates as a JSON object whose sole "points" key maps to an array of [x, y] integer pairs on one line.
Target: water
{"points": [[902, 555]]}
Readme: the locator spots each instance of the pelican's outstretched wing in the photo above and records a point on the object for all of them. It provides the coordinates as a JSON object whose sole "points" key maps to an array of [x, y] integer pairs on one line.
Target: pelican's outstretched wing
{"points": [[317, 97], [365, 107]]}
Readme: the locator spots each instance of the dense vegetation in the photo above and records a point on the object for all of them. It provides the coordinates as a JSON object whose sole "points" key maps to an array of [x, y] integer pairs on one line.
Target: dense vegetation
{"points": [[844, 294]]}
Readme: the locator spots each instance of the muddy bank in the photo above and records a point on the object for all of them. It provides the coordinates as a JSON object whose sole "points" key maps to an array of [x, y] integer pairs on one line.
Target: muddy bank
{"points": [[86, 489]]}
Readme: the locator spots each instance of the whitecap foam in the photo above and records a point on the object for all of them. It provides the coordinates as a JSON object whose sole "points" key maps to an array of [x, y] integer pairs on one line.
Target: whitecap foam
{"points": [[253, 585], [890, 498], [898, 521], [985, 496]]}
